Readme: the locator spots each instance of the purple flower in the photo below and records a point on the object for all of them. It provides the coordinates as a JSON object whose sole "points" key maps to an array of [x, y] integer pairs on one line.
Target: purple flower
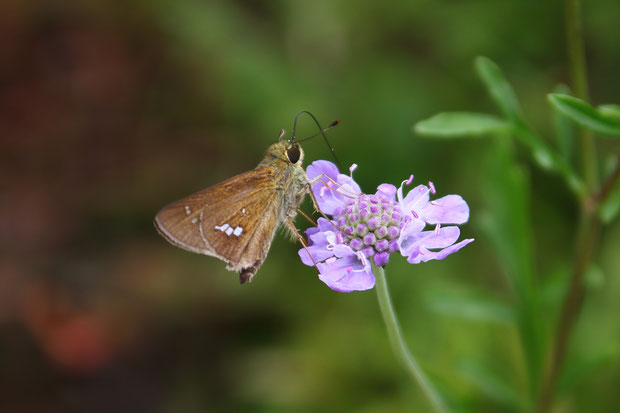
{"points": [[371, 227]]}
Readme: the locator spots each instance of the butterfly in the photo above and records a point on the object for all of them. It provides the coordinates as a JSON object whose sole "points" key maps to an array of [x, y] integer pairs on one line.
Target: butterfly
{"points": [[236, 220]]}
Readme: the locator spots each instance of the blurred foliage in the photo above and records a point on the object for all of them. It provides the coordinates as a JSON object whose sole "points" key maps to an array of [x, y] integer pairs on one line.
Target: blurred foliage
{"points": [[110, 110]]}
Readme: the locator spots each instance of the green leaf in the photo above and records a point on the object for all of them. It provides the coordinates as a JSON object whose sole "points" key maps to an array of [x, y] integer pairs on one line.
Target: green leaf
{"points": [[611, 110], [460, 124], [470, 306], [581, 112], [499, 89]]}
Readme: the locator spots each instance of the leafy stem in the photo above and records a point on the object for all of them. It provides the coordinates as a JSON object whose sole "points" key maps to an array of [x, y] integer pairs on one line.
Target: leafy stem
{"points": [[587, 239], [589, 229], [589, 222], [399, 345], [579, 80]]}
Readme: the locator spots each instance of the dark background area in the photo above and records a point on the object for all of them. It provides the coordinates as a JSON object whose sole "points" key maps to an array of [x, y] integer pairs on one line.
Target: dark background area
{"points": [[110, 110]]}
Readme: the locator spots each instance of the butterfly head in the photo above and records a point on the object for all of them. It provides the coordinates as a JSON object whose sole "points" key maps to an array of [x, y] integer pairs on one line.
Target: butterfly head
{"points": [[288, 151]]}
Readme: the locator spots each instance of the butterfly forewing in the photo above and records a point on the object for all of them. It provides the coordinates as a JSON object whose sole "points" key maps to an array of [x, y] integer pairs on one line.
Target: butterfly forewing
{"points": [[205, 222]]}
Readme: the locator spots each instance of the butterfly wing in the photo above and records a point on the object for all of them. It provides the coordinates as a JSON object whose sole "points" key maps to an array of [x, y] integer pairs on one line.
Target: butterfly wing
{"points": [[234, 220]]}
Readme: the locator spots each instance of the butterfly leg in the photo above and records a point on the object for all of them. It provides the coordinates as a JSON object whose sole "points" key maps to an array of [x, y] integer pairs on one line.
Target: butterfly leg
{"points": [[343, 191], [314, 200], [291, 226], [303, 214]]}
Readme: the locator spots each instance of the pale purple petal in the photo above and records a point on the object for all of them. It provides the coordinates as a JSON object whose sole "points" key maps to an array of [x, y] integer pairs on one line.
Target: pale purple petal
{"points": [[408, 235], [451, 209], [347, 274], [342, 250], [426, 255], [317, 168], [415, 201], [333, 189], [318, 253], [412, 243], [310, 232], [440, 239], [324, 225], [387, 190], [352, 189], [319, 239]]}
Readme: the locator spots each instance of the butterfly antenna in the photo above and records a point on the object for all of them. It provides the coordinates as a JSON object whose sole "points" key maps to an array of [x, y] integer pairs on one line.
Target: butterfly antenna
{"points": [[321, 130], [331, 125]]}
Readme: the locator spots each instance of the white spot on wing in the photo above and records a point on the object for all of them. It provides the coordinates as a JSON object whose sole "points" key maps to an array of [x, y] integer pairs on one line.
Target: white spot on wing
{"points": [[222, 228], [228, 230], [187, 210], [194, 220], [243, 211]]}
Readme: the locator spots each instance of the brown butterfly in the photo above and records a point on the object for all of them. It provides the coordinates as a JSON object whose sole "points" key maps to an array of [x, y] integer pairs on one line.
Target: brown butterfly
{"points": [[237, 219]]}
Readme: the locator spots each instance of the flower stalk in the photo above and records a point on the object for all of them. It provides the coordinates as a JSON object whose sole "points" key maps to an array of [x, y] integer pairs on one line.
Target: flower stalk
{"points": [[398, 343]]}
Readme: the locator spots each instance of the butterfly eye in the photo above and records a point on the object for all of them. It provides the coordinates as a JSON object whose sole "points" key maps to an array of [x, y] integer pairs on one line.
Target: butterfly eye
{"points": [[293, 154]]}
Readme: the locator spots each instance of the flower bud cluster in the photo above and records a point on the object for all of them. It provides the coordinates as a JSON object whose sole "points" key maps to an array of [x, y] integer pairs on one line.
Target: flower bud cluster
{"points": [[371, 224]]}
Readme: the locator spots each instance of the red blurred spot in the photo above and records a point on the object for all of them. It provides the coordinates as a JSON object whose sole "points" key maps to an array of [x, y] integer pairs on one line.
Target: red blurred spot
{"points": [[74, 340]]}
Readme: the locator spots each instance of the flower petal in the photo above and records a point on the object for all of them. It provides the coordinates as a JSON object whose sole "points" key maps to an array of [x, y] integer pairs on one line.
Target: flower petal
{"points": [[409, 235], [319, 239], [440, 239], [412, 244], [387, 190], [333, 189], [426, 255], [317, 168], [451, 209], [415, 201], [318, 254], [347, 274]]}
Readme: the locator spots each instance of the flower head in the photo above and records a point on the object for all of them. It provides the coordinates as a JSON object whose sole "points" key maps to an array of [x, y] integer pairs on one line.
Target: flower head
{"points": [[369, 228]]}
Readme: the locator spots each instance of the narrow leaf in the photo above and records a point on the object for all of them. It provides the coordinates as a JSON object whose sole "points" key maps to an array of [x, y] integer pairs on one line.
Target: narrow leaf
{"points": [[611, 110], [499, 89], [590, 118], [460, 124]]}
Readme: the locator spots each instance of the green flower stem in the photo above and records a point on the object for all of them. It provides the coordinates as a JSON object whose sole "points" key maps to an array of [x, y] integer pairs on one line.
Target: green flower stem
{"points": [[398, 343]]}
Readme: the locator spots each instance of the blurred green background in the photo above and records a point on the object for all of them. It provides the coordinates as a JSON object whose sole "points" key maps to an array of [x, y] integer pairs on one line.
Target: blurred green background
{"points": [[110, 110]]}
